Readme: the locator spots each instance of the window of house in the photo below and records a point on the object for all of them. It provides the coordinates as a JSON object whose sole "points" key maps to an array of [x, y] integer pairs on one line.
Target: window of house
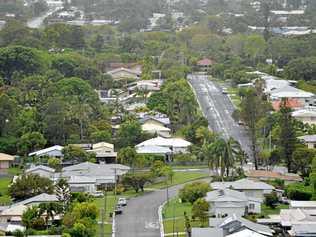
{"points": [[251, 206]]}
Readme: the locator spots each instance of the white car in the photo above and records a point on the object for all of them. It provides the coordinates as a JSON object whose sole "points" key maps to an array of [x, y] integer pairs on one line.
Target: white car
{"points": [[97, 194], [122, 202]]}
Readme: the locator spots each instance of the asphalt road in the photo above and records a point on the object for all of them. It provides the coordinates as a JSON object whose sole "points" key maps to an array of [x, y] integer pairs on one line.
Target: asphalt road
{"points": [[140, 216], [218, 108]]}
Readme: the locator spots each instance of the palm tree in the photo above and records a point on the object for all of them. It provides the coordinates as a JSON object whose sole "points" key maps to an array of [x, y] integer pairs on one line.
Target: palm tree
{"points": [[49, 209], [222, 154]]}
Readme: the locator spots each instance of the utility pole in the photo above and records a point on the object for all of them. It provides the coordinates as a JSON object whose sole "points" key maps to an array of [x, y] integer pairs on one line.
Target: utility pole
{"points": [[103, 213]]}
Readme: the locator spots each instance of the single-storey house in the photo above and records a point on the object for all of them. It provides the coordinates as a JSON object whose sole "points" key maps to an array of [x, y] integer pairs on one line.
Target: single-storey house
{"points": [[227, 202], [309, 140], [13, 214], [303, 205], [264, 175], [307, 116], [88, 177], [54, 151], [124, 73], [5, 161], [233, 226], [10, 228], [176, 145], [41, 170], [104, 151], [251, 188], [41, 198], [302, 230], [205, 64]]}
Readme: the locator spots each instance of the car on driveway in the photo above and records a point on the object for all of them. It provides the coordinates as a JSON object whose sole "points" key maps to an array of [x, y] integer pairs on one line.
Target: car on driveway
{"points": [[122, 202]]}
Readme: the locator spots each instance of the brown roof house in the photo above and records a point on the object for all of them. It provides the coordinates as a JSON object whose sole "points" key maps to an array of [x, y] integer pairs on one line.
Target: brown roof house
{"points": [[264, 175], [5, 161], [205, 64]]}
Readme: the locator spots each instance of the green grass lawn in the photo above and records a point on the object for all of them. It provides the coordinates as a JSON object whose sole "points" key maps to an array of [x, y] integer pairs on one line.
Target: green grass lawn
{"points": [[4, 184], [179, 178], [233, 94], [265, 210], [176, 209]]}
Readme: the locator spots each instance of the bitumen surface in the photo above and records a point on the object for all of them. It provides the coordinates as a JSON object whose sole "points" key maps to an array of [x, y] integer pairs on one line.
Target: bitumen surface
{"points": [[140, 216], [218, 109]]}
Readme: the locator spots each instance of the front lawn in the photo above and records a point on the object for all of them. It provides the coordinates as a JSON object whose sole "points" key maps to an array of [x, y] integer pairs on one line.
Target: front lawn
{"points": [[173, 216], [4, 196]]}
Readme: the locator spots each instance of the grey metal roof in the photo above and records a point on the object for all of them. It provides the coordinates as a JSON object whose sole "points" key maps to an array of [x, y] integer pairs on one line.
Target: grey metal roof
{"points": [[42, 167], [308, 138], [153, 150], [225, 195], [262, 229], [163, 120], [44, 197], [303, 230], [207, 232], [243, 184]]}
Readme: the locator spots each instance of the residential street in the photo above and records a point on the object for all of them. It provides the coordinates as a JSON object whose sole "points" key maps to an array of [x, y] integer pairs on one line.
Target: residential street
{"points": [[140, 216], [218, 109]]}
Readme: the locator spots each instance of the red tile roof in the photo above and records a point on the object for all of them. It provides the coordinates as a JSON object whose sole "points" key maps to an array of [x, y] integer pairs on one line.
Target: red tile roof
{"points": [[205, 62], [258, 174]]}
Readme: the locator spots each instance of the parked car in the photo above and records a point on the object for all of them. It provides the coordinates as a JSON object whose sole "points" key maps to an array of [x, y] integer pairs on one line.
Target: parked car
{"points": [[97, 194], [224, 91], [118, 210], [122, 202]]}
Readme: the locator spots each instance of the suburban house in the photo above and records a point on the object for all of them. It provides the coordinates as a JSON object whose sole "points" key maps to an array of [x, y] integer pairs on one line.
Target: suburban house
{"points": [[297, 222], [303, 205], [54, 151], [156, 125], [84, 177], [124, 73], [13, 214], [306, 115], [232, 226], [295, 98], [251, 188], [309, 141], [205, 64], [227, 202], [155, 150], [5, 161], [41, 198], [104, 151], [41, 170], [176, 145], [10, 228], [264, 175], [89, 177], [145, 85]]}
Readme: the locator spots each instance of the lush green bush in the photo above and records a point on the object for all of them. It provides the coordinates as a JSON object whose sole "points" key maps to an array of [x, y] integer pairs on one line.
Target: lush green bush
{"points": [[297, 191], [271, 199], [193, 191]]}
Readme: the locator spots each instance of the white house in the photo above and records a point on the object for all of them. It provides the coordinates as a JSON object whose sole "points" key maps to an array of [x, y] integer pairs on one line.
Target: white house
{"points": [[13, 214], [251, 188], [54, 151], [124, 73], [233, 226], [176, 145], [306, 115], [309, 140], [42, 171], [5, 161], [227, 202], [88, 177], [303, 205]]}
